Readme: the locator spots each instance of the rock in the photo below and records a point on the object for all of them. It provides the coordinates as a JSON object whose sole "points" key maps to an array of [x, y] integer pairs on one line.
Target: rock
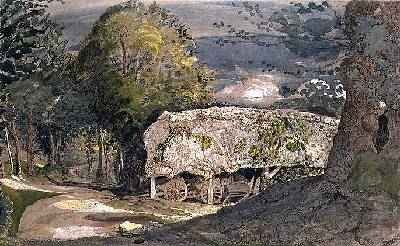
{"points": [[76, 232], [139, 240], [130, 229], [216, 140], [137, 231]]}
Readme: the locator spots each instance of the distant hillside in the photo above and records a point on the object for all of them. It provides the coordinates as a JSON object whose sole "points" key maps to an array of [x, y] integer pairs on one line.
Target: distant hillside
{"points": [[232, 62]]}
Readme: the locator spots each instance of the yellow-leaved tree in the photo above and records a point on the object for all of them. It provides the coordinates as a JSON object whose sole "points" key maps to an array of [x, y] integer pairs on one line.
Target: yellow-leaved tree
{"points": [[136, 63]]}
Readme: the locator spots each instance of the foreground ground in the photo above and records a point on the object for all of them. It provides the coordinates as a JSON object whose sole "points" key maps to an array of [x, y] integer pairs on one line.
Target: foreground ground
{"points": [[78, 213]]}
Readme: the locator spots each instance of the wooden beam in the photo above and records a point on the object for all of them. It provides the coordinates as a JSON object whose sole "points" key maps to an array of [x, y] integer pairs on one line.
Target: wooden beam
{"points": [[210, 193], [153, 188], [251, 186]]}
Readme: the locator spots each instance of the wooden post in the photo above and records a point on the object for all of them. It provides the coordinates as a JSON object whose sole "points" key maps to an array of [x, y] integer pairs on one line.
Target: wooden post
{"points": [[153, 188], [251, 186], [210, 193], [257, 185]]}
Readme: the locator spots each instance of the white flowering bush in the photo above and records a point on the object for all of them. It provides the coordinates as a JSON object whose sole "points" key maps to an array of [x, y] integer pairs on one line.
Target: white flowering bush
{"points": [[329, 96]]}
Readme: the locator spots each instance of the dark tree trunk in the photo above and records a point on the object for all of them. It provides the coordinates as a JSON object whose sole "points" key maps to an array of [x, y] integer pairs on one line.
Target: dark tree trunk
{"points": [[29, 143], [356, 134], [60, 153], [124, 57], [17, 148], [52, 154], [134, 159], [89, 157], [89, 152], [106, 162], [121, 162], [58, 148], [10, 155], [100, 143]]}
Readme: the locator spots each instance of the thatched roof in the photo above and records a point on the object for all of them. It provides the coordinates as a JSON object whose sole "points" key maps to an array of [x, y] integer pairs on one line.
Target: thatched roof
{"points": [[215, 140]]}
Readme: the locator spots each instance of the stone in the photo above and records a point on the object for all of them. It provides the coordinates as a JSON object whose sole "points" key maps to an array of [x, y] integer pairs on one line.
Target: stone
{"points": [[129, 229], [76, 232]]}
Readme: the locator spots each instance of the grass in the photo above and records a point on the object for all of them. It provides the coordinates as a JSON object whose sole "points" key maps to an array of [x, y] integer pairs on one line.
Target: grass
{"points": [[21, 199]]}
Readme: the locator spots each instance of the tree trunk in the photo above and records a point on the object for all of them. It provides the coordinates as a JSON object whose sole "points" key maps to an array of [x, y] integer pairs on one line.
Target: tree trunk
{"points": [[137, 66], [89, 153], [59, 148], [89, 159], [107, 151], [10, 155], [100, 143], [29, 143], [52, 154], [17, 148], [121, 162], [124, 57]]}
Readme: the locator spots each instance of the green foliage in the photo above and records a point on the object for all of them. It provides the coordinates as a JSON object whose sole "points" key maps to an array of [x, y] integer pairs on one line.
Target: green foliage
{"points": [[7, 168], [29, 40], [5, 216], [21, 199], [273, 137], [178, 130], [327, 95], [204, 141], [45, 170], [292, 134], [141, 65], [135, 64], [255, 152], [375, 174], [32, 59], [240, 145], [295, 145]]}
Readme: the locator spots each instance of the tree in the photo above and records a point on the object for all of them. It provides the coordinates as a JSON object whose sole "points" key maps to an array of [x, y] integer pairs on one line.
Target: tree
{"points": [[26, 37], [136, 63], [356, 202], [30, 51]]}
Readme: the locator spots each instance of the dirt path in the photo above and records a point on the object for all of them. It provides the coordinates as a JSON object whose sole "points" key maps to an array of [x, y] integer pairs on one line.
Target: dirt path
{"points": [[66, 216], [80, 213]]}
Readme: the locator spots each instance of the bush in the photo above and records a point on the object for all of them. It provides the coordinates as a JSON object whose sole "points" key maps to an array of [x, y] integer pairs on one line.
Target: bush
{"points": [[328, 95]]}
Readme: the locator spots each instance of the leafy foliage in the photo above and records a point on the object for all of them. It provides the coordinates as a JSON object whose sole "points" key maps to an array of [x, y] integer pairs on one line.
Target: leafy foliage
{"points": [[136, 63], [329, 95], [291, 134], [28, 39]]}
